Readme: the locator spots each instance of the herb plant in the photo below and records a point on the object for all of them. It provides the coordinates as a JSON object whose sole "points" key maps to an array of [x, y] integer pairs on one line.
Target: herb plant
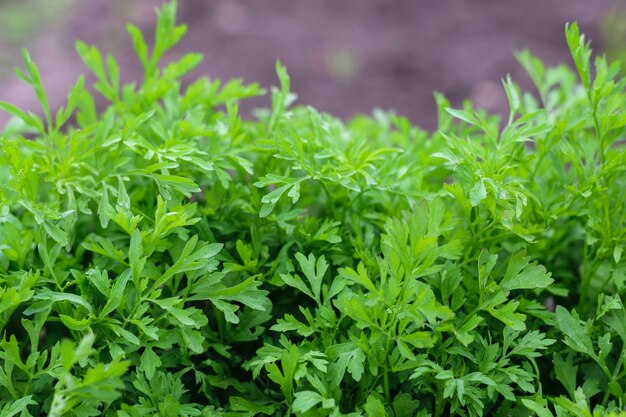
{"points": [[164, 256]]}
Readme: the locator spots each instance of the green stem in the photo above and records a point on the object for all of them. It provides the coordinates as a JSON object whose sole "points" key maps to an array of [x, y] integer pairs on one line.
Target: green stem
{"points": [[585, 281], [130, 315], [536, 167], [330, 199], [387, 349], [220, 323], [613, 377], [386, 384], [438, 405], [607, 216], [596, 125], [387, 355], [30, 380]]}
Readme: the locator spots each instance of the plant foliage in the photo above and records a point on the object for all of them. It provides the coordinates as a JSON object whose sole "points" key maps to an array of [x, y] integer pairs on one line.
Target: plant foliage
{"points": [[164, 256]]}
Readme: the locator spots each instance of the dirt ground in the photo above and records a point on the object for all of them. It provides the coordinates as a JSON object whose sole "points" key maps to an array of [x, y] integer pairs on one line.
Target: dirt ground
{"points": [[344, 57]]}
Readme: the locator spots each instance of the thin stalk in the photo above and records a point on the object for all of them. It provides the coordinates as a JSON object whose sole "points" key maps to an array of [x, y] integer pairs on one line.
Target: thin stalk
{"points": [[438, 405], [613, 377], [330, 199]]}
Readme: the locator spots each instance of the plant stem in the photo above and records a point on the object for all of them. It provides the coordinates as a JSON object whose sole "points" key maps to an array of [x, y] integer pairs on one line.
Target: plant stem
{"points": [[613, 377], [438, 405], [386, 384]]}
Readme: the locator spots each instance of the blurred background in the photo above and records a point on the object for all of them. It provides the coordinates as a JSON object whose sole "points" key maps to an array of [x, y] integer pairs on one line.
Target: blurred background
{"points": [[345, 57]]}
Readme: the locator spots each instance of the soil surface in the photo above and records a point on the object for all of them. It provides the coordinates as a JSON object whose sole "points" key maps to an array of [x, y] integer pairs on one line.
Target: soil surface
{"points": [[345, 57]]}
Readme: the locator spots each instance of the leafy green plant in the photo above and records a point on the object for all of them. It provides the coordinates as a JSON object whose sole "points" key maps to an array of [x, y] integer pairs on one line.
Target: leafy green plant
{"points": [[164, 256]]}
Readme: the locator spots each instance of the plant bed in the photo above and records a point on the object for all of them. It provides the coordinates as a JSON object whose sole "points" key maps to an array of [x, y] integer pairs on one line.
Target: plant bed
{"points": [[166, 257]]}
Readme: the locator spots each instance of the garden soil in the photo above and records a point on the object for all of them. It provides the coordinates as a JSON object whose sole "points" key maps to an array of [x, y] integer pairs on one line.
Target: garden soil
{"points": [[344, 56]]}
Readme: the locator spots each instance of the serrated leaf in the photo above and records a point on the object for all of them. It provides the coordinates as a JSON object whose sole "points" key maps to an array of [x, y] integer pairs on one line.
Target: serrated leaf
{"points": [[576, 336], [374, 407], [478, 193], [522, 274], [149, 362], [507, 315], [116, 294], [305, 400]]}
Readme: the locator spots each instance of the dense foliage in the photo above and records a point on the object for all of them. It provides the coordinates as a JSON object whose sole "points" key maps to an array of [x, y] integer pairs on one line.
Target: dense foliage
{"points": [[166, 257]]}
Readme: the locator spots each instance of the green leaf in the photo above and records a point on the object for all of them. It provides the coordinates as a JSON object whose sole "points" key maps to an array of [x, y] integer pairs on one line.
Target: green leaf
{"points": [[242, 404], [192, 339], [507, 315], [116, 295], [139, 44], [540, 410], [576, 335], [486, 262], [478, 192], [360, 276], [374, 407], [149, 362], [34, 80], [314, 273], [104, 208], [353, 307], [75, 324], [56, 297], [55, 232], [404, 405], [71, 353], [419, 340], [19, 406], [135, 250], [521, 274], [305, 400], [466, 116], [530, 343], [296, 282], [190, 259], [181, 315], [246, 293], [100, 280], [566, 372]]}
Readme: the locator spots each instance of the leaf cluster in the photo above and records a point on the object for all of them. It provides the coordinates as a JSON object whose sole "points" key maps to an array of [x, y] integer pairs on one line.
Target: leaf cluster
{"points": [[165, 256]]}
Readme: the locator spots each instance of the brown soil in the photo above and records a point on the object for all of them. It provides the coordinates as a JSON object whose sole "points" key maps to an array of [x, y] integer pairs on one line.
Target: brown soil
{"points": [[344, 57]]}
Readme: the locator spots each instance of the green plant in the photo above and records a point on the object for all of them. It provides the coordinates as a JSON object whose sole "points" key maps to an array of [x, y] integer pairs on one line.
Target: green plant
{"points": [[166, 257]]}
